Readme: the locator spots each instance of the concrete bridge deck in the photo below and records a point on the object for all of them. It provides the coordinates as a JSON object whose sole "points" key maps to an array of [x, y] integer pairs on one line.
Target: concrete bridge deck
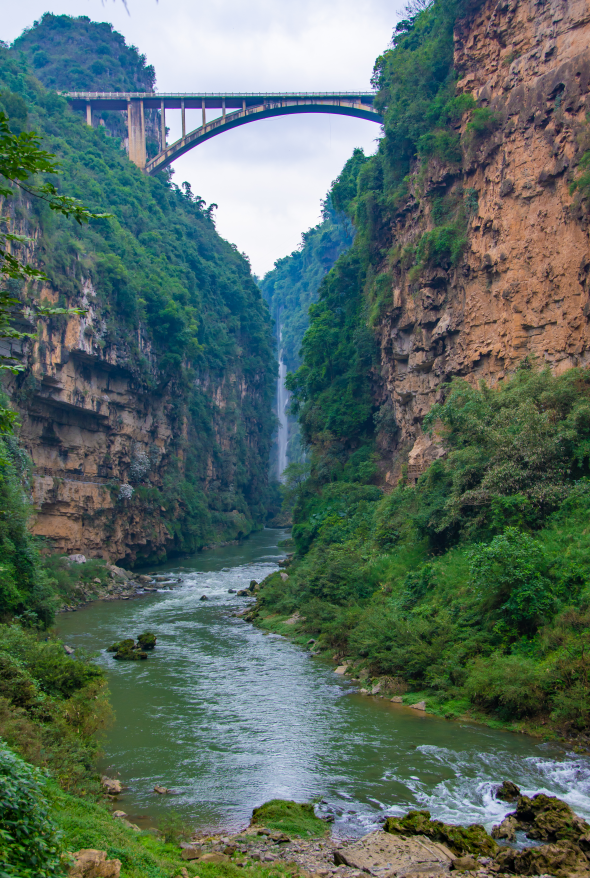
{"points": [[243, 108]]}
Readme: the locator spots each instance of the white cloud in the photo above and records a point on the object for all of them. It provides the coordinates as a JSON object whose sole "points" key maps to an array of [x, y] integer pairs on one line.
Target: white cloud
{"points": [[267, 177]]}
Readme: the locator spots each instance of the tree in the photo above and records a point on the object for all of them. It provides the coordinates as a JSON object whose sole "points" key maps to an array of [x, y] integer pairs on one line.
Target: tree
{"points": [[21, 158]]}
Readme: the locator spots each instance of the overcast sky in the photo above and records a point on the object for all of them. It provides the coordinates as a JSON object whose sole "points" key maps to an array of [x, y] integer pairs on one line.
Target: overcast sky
{"points": [[267, 177]]}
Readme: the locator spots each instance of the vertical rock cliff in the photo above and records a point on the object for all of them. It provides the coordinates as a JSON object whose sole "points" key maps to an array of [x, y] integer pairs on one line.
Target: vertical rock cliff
{"points": [[147, 414], [522, 284]]}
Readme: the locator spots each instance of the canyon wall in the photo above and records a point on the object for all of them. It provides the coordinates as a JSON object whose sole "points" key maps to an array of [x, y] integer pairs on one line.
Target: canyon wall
{"points": [[522, 286]]}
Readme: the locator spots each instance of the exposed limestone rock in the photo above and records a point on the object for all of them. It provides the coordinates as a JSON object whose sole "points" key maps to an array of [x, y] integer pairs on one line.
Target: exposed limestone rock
{"points": [[460, 840], [111, 785], [506, 829], [523, 286], [562, 860], [381, 853], [89, 863]]}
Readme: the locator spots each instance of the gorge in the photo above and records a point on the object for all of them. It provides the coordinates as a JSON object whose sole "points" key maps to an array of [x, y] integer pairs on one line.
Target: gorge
{"points": [[433, 446]]}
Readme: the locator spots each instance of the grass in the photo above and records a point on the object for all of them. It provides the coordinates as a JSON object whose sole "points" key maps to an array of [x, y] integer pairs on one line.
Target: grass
{"points": [[291, 818], [143, 855]]}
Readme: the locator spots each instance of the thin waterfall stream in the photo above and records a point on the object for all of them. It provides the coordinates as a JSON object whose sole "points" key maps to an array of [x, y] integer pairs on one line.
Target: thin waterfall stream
{"points": [[282, 402], [229, 717]]}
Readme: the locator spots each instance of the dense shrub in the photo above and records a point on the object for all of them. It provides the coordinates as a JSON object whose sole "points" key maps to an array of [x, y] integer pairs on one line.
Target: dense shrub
{"points": [[29, 842]]}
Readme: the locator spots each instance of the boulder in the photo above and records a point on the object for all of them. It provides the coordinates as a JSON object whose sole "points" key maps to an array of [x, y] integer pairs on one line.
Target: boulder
{"points": [[111, 785], [397, 699], [214, 858], [89, 863], [147, 640], [507, 791], [341, 669], [380, 853], [562, 860], [506, 829], [231, 591], [243, 593], [203, 597], [161, 790], [464, 864], [472, 839], [284, 576], [376, 689], [547, 818], [68, 650], [121, 815], [191, 853], [77, 559], [420, 705]]}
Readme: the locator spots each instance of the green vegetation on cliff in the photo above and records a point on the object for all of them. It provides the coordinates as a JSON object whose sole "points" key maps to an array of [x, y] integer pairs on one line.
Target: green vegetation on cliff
{"points": [[174, 303], [470, 587]]}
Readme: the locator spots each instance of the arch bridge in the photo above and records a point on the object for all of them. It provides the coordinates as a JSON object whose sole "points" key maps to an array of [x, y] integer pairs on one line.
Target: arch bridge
{"points": [[236, 110]]}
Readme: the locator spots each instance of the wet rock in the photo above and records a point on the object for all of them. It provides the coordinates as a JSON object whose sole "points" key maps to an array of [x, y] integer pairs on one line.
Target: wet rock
{"points": [[563, 860], [507, 791], [120, 815], [420, 705], [381, 853], [203, 597], [547, 818], [111, 785], [127, 650], [161, 790], [89, 863], [231, 591], [243, 593], [506, 829], [147, 640], [68, 650], [253, 585], [376, 689], [472, 839]]}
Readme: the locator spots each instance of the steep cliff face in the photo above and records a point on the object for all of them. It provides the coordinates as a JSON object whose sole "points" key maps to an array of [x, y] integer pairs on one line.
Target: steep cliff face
{"points": [[148, 416], [522, 284]]}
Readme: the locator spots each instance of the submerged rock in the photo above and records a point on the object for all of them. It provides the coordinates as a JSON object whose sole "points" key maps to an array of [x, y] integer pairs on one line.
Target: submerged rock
{"points": [[460, 840]]}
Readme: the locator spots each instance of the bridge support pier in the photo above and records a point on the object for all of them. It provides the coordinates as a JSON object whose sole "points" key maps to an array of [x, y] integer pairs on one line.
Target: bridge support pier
{"points": [[162, 125], [89, 114], [136, 132]]}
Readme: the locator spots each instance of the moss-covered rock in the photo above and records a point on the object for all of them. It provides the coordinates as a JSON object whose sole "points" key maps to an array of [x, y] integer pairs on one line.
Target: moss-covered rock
{"points": [[293, 818], [471, 839], [127, 650], [508, 792], [547, 818], [147, 640], [564, 860]]}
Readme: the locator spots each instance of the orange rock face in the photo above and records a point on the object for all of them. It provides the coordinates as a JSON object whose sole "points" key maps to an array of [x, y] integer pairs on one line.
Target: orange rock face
{"points": [[523, 284]]}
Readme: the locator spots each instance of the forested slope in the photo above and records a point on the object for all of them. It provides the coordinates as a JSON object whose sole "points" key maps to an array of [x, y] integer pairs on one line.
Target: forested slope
{"points": [[441, 536], [148, 417]]}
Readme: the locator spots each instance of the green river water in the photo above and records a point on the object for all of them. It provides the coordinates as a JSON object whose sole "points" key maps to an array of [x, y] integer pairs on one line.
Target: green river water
{"points": [[229, 717]]}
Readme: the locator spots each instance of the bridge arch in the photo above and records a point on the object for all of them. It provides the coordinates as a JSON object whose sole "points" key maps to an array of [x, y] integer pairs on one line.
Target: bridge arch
{"points": [[243, 109]]}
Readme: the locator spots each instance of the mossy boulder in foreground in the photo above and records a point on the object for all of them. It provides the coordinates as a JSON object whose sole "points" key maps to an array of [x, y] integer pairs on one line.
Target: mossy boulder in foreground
{"points": [[289, 817], [471, 839]]}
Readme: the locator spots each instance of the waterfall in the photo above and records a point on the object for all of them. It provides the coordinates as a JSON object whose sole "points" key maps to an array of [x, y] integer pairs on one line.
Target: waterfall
{"points": [[282, 400]]}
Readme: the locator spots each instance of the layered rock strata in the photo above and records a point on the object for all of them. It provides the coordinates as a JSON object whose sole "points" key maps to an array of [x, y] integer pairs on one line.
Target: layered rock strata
{"points": [[523, 285]]}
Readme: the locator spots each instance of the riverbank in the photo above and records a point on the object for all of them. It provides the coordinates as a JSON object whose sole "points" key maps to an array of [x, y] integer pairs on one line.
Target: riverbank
{"points": [[385, 687]]}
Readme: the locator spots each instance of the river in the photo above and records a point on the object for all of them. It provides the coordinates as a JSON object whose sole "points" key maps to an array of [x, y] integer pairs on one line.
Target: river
{"points": [[230, 717]]}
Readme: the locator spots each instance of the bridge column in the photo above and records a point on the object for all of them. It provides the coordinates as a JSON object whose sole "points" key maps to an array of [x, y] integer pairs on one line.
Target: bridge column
{"points": [[89, 113], [162, 125], [183, 115], [136, 131], [223, 109], [204, 113], [244, 107]]}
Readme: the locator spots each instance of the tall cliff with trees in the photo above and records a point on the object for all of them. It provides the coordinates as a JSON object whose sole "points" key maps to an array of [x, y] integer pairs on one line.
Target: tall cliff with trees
{"points": [[444, 392], [147, 413], [292, 286]]}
